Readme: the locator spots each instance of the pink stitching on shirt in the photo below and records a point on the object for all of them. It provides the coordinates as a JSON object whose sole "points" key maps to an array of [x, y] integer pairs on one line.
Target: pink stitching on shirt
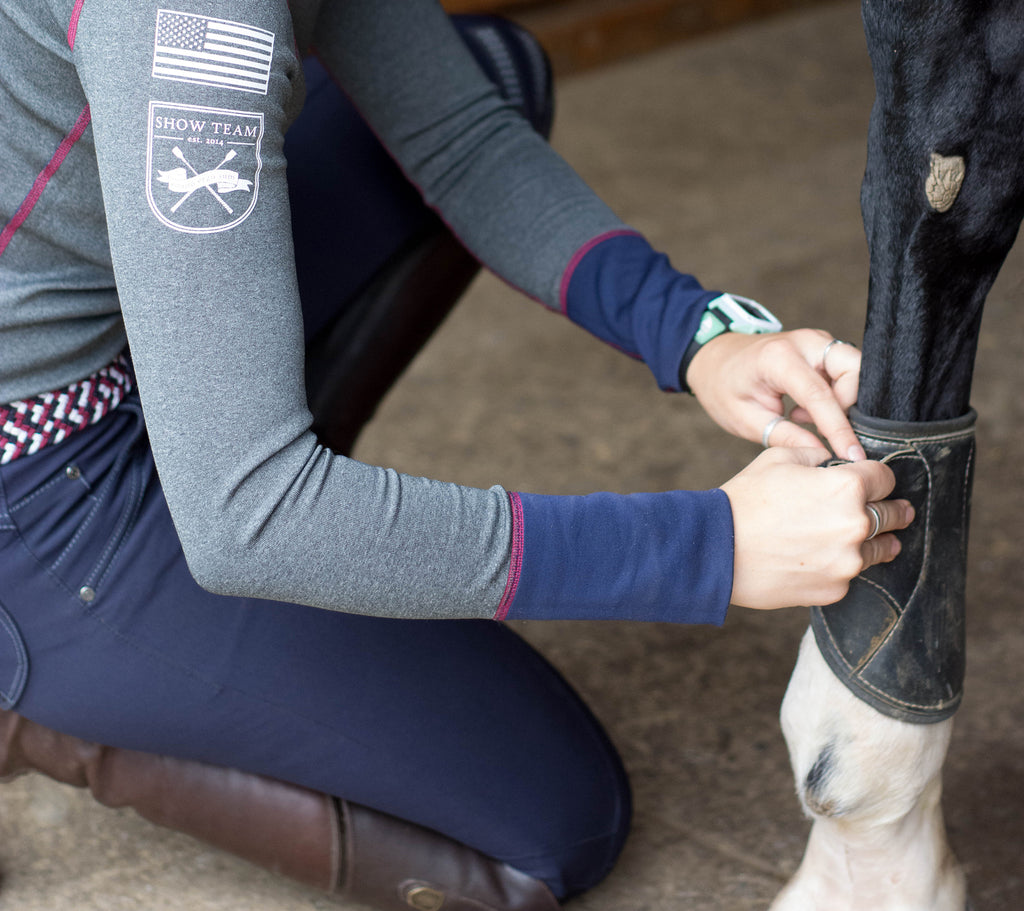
{"points": [[44, 178], [577, 258], [515, 566], [73, 23]]}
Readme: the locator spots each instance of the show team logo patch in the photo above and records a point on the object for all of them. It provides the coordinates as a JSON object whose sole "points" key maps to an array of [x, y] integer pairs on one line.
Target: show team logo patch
{"points": [[202, 166], [208, 51]]}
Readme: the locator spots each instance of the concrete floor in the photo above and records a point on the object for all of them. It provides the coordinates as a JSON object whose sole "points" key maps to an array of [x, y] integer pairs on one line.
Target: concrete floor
{"points": [[741, 155]]}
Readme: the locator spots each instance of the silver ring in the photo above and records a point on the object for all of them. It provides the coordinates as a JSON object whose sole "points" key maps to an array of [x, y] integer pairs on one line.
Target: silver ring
{"points": [[769, 427], [877, 516], [828, 348]]}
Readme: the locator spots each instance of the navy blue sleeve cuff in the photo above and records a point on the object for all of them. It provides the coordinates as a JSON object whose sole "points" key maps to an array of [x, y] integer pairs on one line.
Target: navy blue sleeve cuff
{"points": [[664, 557], [620, 289]]}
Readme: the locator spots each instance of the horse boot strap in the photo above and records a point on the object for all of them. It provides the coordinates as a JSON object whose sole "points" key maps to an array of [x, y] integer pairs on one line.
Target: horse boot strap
{"points": [[897, 639], [290, 830], [394, 865]]}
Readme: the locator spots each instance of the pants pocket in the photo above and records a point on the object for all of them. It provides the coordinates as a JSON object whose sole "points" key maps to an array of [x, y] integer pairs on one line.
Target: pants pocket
{"points": [[13, 661], [83, 503]]}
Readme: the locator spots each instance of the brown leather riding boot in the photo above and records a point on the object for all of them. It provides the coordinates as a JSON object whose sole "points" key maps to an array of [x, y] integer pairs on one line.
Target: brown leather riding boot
{"points": [[358, 853], [288, 829], [395, 865]]}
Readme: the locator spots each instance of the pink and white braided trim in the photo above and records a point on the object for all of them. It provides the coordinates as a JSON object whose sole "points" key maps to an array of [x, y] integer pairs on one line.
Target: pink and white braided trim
{"points": [[26, 426]]}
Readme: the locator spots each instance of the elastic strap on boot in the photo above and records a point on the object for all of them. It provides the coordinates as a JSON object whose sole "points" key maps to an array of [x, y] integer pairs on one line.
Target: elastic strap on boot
{"points": [[897, 639], [394, 865]]}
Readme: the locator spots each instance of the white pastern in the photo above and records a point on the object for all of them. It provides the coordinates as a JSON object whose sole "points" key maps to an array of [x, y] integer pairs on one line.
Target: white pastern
{"points": [[873, 787]]}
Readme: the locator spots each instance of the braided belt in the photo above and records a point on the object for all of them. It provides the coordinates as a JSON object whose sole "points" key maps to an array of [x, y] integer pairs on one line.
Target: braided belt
{"points": [[26, 426]]}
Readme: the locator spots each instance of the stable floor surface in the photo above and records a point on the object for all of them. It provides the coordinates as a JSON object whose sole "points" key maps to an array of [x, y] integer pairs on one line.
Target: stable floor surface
{"points": [[741, 156]]}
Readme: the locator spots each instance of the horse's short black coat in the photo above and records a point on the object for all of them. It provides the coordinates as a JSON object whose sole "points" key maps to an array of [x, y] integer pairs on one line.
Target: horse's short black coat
{"points": [[949, 77]]}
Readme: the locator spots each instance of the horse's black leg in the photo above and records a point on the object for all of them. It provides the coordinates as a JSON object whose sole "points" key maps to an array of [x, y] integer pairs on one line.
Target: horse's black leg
{"points": [[949, 77], [942, 201]]}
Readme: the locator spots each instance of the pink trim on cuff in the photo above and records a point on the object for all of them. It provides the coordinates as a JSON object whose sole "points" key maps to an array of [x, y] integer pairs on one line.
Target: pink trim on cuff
{"points": [[577, 257], [73, 23], [44, 178], [515, 565]]}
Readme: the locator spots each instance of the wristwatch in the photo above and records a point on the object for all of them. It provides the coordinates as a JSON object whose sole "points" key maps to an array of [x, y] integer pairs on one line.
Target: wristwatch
{"points": [[732, 313], [729, 313]]}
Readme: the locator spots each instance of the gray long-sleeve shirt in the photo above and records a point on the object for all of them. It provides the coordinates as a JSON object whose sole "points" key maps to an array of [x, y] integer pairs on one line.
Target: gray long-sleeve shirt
{"points": [[142, 189]]}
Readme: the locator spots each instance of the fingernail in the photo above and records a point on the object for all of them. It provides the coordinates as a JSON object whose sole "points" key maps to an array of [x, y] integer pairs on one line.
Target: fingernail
{"points": [[908, 514], [856, 453]]}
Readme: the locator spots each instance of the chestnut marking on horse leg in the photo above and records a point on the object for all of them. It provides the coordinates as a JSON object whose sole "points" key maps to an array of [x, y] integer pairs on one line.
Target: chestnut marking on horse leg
{"points": [[944, 181]]}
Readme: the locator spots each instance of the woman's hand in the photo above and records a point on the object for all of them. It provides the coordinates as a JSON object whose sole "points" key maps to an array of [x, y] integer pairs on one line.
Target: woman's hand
{"points": [[740, 381], [802, 533]]}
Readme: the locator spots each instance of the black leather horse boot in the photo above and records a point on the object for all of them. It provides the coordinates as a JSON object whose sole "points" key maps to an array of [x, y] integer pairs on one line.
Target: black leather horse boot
{"points": [[897, 639], [285, 828], [395, 865]]}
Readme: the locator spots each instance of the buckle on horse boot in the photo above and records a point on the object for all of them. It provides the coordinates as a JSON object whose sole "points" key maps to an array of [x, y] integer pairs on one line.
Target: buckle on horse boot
{"points": [[897, 639]]}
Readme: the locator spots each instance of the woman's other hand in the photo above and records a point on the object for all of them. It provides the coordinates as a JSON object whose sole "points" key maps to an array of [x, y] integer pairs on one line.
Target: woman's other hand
{"points": [[802, 532], [740, 380]]}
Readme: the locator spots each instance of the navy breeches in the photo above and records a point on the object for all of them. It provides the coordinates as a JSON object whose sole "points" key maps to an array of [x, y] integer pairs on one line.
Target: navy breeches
{"points": [[456, 725]]}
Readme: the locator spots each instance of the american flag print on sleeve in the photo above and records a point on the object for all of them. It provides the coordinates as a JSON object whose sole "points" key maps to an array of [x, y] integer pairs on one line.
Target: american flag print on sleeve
{"points": [[209, 51]]}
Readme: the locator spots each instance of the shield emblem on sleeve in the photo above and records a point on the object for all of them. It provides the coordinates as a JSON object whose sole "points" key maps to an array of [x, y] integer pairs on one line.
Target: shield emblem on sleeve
{"points": [[202, 166]]}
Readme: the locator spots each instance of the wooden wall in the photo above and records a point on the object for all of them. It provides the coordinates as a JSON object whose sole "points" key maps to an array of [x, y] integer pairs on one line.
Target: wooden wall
{"points": [[579, 34]]}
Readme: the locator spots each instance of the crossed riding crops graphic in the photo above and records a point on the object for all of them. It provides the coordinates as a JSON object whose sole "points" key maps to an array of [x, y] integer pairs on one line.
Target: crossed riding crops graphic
{"points": [[181, 157]]}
